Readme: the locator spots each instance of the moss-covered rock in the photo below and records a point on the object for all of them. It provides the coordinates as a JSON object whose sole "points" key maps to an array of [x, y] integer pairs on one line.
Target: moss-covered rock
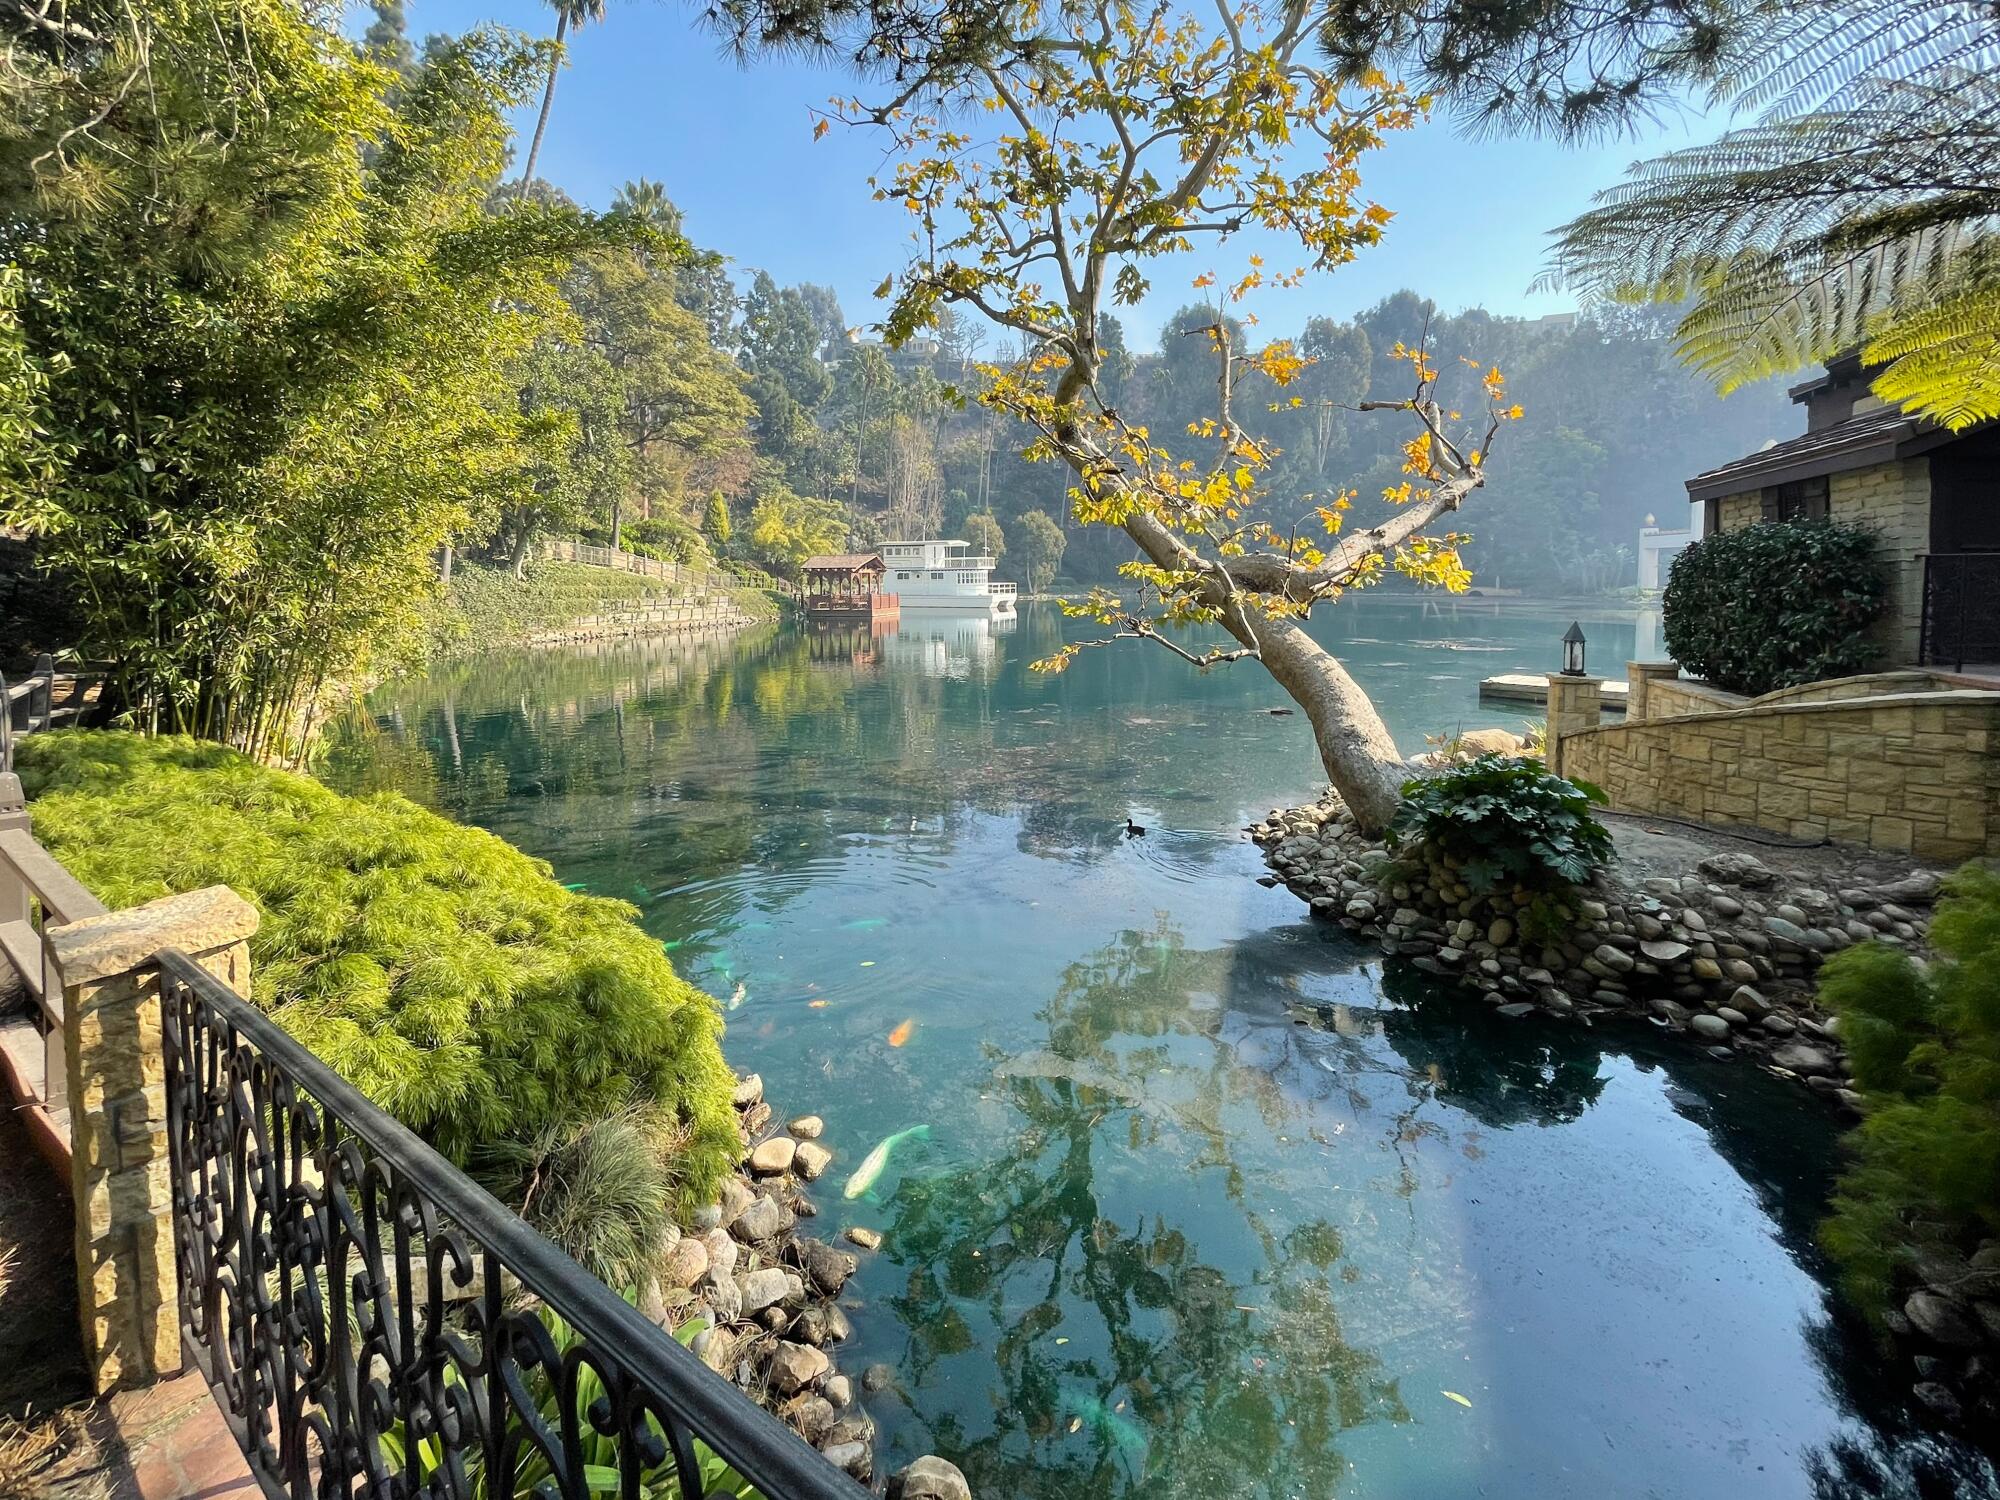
{"points": [[444, 972]]}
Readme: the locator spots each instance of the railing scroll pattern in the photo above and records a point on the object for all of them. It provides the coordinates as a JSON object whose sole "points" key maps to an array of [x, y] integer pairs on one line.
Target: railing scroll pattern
{"points": [[368, 1317]]}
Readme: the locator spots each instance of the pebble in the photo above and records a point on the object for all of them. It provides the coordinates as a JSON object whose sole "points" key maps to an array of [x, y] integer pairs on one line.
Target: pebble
{"points": [[796, 1366], [807, 1127], [810, 1160], [839, 1391], [1941, 1320], [750, 1091], [761, 1220], [774, 1157], [1714, 1028], [930, 1478], [768, 1287]]}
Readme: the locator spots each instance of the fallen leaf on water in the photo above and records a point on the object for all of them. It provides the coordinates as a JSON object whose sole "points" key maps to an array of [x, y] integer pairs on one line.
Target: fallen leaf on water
{"points": [[867, 963], [818, 1004], [1454, 1396], [1062, 1341], [1076, 1424]]}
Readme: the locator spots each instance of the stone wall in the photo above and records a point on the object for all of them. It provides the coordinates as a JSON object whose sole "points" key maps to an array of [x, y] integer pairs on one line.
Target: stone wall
{"points": [[1894, 501], [1913, 772]]}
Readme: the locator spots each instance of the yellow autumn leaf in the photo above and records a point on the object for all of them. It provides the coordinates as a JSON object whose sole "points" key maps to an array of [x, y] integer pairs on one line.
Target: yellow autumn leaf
{"points": [[1454, 1396], [821, 129]]}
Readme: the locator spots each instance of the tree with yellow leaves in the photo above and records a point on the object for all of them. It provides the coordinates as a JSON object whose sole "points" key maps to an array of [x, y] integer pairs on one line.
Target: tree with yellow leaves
{"points": [[1070, 149]]}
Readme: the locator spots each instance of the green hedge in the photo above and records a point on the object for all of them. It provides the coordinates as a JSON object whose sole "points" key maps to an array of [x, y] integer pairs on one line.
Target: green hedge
{"points": [[1924, 1186], [444, 972], [1775, 605]]}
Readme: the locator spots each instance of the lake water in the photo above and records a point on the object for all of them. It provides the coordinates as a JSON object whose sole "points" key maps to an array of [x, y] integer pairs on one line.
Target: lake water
{"points": [[1163, 1239]]}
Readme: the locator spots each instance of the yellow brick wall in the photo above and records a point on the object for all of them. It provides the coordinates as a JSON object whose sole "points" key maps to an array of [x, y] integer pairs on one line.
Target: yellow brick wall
{"points": [[1909, 772], [1665, 697]]}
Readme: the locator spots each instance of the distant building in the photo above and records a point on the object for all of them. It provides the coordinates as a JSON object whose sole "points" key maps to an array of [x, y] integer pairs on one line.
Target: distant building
{"points": [[1658, 547], [1932, 496]]}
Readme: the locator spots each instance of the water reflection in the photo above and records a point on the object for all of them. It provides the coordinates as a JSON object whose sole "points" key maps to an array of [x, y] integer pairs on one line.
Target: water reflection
{"points": [[1211, 1201]]}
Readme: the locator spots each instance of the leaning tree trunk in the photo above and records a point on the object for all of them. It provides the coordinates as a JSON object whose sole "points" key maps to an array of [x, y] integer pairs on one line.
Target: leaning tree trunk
{"points": [[1355, 746], [548, 98]]}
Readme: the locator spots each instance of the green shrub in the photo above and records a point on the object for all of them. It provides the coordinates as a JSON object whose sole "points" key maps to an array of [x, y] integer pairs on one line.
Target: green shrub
{"points": [[1775, 605], [1925, 1046], [1504, 821], [444, 972]]}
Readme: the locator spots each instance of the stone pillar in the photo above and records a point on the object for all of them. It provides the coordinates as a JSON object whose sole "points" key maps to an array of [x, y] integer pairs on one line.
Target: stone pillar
{"points": [[1638, 674], [1575, 704], [120, 1178]]}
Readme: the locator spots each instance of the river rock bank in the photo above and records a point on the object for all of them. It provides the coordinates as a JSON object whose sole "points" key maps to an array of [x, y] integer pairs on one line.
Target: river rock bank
{"points": [[765, 1296], [1724, 955]]}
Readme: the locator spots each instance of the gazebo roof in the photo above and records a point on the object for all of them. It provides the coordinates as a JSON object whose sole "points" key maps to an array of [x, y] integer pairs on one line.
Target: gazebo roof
{"points": [[844, 562]]}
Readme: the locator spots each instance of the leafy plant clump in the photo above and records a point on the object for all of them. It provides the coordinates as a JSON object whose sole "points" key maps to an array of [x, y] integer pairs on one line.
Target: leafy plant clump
{"points": [[441, 970], [1504, 821], [1776, 605], [1924, 1186]]}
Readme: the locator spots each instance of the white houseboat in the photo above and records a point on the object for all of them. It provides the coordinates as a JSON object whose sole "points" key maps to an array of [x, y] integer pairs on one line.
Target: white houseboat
{"points": [[946, 575]]}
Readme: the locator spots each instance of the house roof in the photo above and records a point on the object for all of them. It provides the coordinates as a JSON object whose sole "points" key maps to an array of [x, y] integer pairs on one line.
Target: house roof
{"points": [[1873, 437], [843, 562]]}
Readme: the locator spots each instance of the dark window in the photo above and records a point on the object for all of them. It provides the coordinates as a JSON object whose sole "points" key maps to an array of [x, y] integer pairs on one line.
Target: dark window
{"points": [[937, 575], [1711, 516], [1801, 500]]}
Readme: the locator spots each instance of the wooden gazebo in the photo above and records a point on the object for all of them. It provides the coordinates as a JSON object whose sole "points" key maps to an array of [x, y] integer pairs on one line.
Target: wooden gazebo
{"points": [[848, 586]]}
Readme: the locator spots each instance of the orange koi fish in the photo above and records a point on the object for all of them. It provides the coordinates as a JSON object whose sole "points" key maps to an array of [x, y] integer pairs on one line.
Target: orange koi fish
{"points": [[903, 1032]]}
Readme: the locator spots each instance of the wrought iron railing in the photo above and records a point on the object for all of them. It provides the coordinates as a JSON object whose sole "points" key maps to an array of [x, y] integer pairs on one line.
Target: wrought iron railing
{"points": [[374, 1323], [1961, 619]]}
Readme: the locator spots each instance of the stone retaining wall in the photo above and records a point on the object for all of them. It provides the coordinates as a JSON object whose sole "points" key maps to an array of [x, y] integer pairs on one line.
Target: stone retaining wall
{"points": [[1915, 772]]}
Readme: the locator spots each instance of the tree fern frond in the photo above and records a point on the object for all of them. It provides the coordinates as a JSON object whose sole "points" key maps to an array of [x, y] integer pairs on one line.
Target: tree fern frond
{"points": [[1944, 361], [1807, 57]]}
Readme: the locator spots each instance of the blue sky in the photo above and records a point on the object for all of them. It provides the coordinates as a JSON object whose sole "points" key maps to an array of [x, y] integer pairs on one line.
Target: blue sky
{"points": [[648, 94]]}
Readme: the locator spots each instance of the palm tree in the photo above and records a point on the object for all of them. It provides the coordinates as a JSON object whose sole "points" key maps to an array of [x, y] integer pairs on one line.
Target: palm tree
{"points": [[1860, 211], [647, 201], [568, 13]]}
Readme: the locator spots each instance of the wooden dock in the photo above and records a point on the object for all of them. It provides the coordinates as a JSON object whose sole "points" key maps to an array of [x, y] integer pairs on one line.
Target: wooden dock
{"points": [[1533, 688]]}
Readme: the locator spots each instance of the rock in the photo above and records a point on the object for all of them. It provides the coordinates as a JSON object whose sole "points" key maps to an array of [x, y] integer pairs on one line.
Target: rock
{"points": [[1733, 1016], [828, 1267], [1988, 1314], [1738, 869], [867, 1239], [810, 1160], [1714, 1028], [1727, 907], [1361, 910], [810, 1416], [708, 1216], [807, 1127], [1941, 1320], [1938, 1398], [737, 1195], [1801, 1058], [761, 1220], [794, 1367], [776, 1319], [1671, 1011], [839, 1391], [930, 1478], [1920, 887], [1500, 931], [716, 1348], [1779, 1025], [837, 1326], [854, 1426], [685, 1264], [1787, 931], [774, 1156], [755, 1118], [853, 1457], [767, 1288], [725, 1295], [1665, 950], [1514, 1010], [750, 1091], [722, 1252], [877, 1378], [1613, 958]]}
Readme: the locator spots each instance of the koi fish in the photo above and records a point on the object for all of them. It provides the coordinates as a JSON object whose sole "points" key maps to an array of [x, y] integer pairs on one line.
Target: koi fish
{"points": [[736, 996], [865, 924], [903, 1032], [872, 1164], [1087, 1410]]}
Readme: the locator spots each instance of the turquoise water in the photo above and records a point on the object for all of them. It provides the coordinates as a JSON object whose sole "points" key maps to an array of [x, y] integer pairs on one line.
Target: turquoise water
{"points": [[1163, 1239]]}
